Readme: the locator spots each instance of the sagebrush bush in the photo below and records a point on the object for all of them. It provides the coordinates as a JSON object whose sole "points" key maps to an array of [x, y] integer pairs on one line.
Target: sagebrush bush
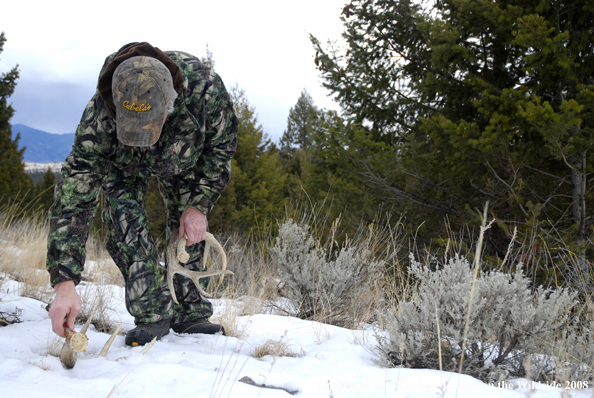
{"points": [[339, 287], [508, 322]]}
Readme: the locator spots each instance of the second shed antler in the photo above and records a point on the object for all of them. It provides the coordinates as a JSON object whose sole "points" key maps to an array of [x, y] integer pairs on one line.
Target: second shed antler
{"points": [[77, 342], [176, 253]]}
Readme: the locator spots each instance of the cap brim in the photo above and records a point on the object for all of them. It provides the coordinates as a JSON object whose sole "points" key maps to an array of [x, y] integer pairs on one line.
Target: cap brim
{"points": [[139, 130]]}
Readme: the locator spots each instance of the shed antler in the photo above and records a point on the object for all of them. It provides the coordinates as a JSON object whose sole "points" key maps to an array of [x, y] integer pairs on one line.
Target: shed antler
{"points": [[75, 342], [176, 252]]}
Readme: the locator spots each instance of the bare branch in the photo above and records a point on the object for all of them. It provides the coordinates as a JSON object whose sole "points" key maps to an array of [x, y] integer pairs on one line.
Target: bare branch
{"points": [[509, 187], [410, 196]]}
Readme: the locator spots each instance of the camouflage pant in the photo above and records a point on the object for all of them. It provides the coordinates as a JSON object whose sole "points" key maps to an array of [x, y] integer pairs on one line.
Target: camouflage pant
{"points": [[133, 250]]}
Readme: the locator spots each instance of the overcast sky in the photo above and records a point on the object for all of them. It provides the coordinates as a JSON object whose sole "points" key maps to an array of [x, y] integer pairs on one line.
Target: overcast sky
{"points": [[261, 45]]}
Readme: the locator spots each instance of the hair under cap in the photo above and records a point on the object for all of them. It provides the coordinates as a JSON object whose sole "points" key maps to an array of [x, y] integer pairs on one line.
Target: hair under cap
{"points": [[141, 90]]}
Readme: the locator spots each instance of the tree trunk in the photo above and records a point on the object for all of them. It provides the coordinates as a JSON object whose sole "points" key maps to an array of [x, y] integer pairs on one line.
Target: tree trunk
{"points": [[578, 176]]}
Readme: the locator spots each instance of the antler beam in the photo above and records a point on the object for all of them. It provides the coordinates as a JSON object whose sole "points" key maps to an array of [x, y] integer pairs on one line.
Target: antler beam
{"points": [[75, 342], [176, 253]]}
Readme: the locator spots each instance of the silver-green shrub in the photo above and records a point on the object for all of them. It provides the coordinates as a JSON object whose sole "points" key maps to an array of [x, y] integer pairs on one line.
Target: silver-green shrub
{"points": [[508, 322], [341, 291]]}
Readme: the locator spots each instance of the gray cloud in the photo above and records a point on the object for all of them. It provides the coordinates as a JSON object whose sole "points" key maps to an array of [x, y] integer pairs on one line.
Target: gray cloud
{"points": [[54, 107]]}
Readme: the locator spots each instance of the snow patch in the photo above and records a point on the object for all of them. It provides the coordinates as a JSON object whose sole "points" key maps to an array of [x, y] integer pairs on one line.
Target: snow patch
{"points": [[332, 361], [42, 167]]}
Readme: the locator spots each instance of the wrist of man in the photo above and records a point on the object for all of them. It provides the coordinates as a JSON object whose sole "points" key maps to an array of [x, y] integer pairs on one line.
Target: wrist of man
{"points": [[203, 210], [64, 286], [62, 273]]}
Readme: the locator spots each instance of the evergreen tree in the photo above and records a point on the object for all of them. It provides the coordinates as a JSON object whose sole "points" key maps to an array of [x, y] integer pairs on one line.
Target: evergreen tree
{"points": [[300, 125], [452, 104], [208, 59], [14, 182], [296, 143], [255, 195], [45, 190]]}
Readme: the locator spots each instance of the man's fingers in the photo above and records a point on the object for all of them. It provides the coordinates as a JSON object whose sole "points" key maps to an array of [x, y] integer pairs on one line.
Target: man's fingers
{"points": [[193, 225], [191, 238], [71, 317], [195, 237], [200, 237], [58, 329], [57, 316]]}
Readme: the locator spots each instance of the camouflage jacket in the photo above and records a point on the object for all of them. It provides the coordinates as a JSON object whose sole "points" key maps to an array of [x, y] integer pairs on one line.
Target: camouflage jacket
{"points": [[193, 153]]}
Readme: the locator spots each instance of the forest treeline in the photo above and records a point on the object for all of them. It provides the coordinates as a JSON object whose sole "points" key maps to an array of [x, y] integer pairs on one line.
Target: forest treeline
{"points": [[445, 106]]}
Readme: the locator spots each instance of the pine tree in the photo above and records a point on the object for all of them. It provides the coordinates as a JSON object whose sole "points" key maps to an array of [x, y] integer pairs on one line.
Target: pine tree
{"points": [[45, 190], [14, 182], [296, 143], [300, 125], [208, 59], [255, 195], [452, 104]]}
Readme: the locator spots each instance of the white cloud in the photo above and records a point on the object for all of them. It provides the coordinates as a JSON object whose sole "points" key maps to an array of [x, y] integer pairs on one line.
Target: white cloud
{"points": [[261, 45]]}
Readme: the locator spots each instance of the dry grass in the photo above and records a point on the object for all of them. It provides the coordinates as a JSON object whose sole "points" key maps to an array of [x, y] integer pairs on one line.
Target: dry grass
{"points": [[255, 287], [23, 250], [227, 318], [98, 299], [275, 348], [102, 271], [250, 290], [54, 345], [321, 333], [41, 365], [253, 276]]}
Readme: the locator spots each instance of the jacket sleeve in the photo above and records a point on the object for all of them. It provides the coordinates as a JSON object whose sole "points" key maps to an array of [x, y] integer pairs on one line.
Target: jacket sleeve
{"points": [[212, 171], [76, 196]]}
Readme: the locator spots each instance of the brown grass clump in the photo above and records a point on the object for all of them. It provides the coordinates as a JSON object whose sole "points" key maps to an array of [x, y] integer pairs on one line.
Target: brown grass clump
{"points": [[23, 250], [254, 276], [275, 348], [98, 299], [23, 253], [104, 271], [54, 346], [227, 318]]}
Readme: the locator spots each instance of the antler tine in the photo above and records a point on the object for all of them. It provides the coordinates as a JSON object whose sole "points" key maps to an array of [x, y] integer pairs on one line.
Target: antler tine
{"points": [[149, 346], [211, 240], [173, 266], [108, 343], [88, 322]]}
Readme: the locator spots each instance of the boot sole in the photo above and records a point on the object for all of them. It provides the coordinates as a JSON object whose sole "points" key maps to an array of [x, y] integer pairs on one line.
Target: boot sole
{"points": [[134, 341]]}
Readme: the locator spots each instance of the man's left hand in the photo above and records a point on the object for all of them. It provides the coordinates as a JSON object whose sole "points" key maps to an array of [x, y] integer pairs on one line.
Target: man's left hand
{"points": [[193, 224]]}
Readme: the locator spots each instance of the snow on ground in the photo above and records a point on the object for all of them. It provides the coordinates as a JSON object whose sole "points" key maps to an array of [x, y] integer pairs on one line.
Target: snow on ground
{"points": [[42, 167], [330, 362]]}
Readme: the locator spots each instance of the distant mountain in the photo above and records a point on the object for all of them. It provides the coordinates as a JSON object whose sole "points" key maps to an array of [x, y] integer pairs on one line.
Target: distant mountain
{"points": [[43, 147]]}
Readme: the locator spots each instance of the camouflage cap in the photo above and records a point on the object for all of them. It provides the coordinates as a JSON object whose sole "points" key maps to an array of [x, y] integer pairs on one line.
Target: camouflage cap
{"points": [[141, 95]]}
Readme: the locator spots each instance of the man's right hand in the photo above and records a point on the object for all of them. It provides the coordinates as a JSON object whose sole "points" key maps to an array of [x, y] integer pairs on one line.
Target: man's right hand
{"points": [[66, 302]]}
